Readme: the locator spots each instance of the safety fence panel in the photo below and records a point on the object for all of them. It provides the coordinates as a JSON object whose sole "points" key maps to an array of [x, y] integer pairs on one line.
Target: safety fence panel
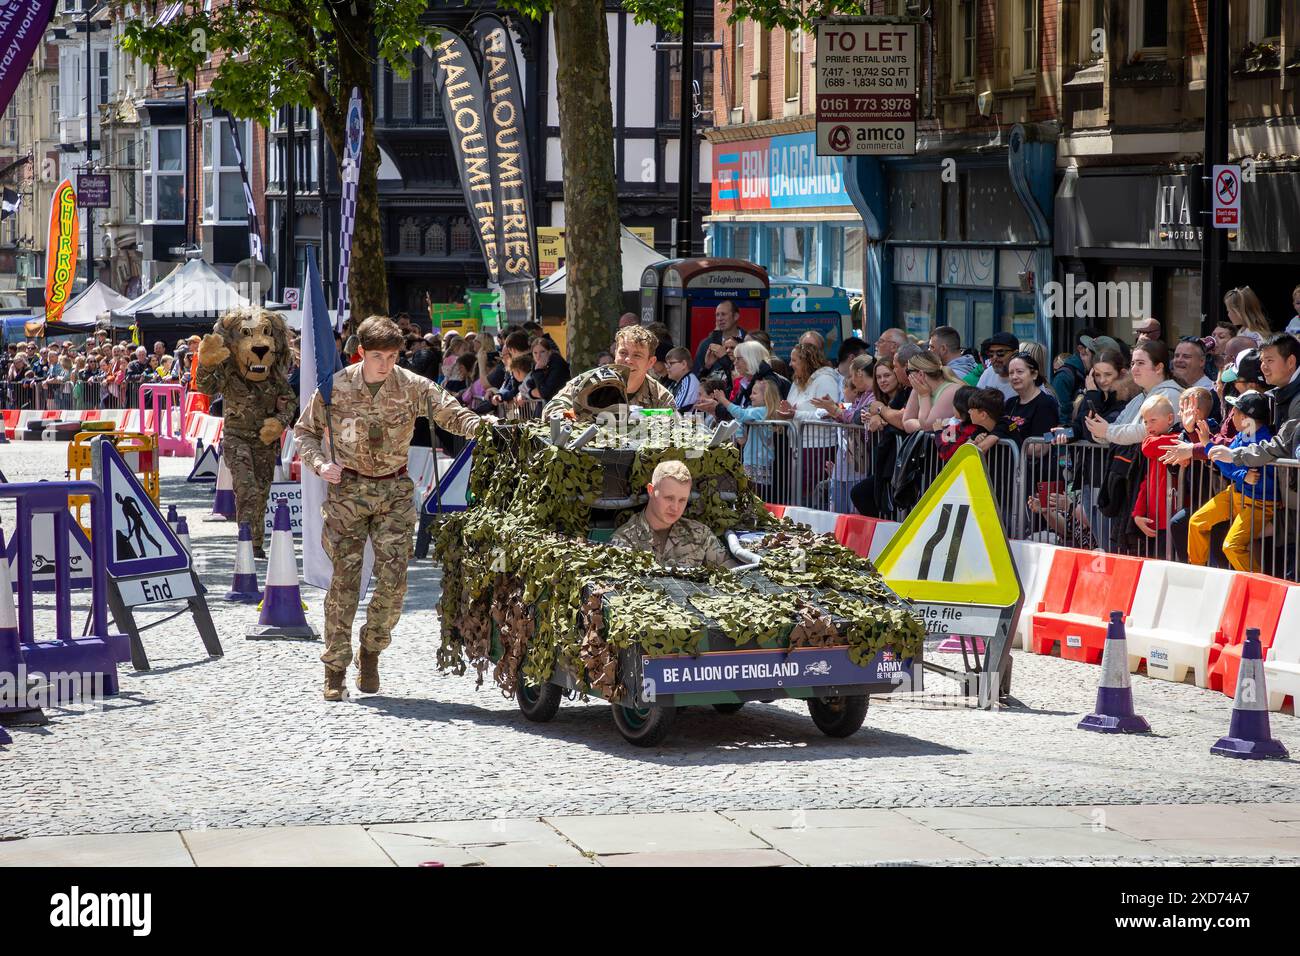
{"points": [[73, 394], [835, 458], [773, 459]]}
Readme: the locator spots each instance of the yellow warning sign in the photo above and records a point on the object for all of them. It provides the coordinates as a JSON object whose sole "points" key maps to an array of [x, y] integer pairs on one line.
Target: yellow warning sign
{"points": [[952, 548]]}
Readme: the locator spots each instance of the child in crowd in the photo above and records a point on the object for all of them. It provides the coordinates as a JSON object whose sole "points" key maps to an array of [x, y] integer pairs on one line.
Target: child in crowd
{"points": [[1248, 502], [682, 382], [765, 399], [1194, 410], [978, 411], [1150, 511], [850, 463]]}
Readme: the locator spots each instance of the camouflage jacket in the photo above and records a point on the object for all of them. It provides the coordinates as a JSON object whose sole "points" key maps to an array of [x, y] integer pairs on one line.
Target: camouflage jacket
{"points": [[688, 543], [372, 434], [247, 404], [650, 395]]}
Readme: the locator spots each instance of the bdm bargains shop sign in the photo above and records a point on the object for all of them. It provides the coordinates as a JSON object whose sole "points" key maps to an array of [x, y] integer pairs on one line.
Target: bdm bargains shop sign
{"points": [[776, 172]]}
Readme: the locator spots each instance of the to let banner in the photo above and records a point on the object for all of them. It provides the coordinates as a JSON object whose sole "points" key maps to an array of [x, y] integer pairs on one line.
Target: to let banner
{"points": [[22, 24], [512, 197], [457, 80], [61, 258]]}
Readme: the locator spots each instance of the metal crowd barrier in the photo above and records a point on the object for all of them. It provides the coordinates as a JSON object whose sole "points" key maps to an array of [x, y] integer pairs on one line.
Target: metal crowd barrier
{"points": [[775, 466], [70, 395]]}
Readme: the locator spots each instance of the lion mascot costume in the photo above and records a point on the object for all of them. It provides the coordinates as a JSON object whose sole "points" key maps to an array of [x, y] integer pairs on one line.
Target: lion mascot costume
{"points": [[246, 360]]}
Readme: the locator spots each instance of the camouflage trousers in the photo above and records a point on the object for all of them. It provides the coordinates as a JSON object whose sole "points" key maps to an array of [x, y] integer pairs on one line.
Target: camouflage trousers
{"points": [[252, 468], [357, 509]]}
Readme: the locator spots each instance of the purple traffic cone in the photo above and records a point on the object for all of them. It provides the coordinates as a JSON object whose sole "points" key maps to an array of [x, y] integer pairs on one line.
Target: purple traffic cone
{"points": [[1114, 714], [183, 534], [223, 501], [1249, 734], [172, 517], [282, 607], [15, 703], [244, 588]]}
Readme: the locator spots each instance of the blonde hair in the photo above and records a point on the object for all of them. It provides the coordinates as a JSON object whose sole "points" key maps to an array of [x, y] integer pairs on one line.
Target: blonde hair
{"points": [[928, 364], [1158, 403], [1039, 352], [1245, 302], [637, 335], [671, 468], [771, 395]]}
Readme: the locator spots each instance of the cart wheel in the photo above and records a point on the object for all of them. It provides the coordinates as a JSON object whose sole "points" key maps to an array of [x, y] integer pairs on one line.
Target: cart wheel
{"points": [[538, 703], [728, 708], [838, 716], [644, 726]]}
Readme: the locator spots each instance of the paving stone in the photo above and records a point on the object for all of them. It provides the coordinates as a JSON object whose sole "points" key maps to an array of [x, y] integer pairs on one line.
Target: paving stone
{"points": [[654, 833], [1187, 822], [709, 858], [101, 849], [945, 818], [285, 846], [1050, 842], [799, 818], [406, 850], [850, 845], [475, 832], [1233, 846]]}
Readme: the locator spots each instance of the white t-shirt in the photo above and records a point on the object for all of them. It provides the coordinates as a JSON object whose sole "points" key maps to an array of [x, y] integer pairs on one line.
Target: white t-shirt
{"points": [[991, 379], [1293, 327]]}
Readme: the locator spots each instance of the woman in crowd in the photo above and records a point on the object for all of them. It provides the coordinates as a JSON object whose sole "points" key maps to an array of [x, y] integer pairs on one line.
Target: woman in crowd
{"points": [[933, 387], [455, 348], [1150, 370], [1033, 413], [750, 358], [811, 379], [550, 370], [1246, 314], [850, 465]]}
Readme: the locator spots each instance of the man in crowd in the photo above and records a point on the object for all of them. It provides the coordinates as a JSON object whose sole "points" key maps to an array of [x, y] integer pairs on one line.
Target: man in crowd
{"points": [[371, 417], [890, 341], [726, 319], [1189, 364], [628, 318], [634, 350], [1147, 330], [1069, 380], [660, 529], [945, 343], [999, 351]]}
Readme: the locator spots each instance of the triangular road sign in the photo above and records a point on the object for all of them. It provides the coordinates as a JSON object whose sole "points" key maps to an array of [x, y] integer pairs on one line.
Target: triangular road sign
{"points": [[952, 548], [449, 494], [140, 542], [43, 554], [206, 465]]}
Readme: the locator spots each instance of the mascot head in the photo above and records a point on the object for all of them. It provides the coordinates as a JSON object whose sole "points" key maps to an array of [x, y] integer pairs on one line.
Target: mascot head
{"points": [[258, 341]]}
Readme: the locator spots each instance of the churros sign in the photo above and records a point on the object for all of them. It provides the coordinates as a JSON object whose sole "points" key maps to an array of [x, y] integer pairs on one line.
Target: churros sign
{"points": [[61, 267]]}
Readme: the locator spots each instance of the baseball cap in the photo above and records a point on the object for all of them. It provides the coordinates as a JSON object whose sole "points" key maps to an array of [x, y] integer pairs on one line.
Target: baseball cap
{"points": [[1099, 343], [1249, 368], [1005, 339], [1253, 405]]}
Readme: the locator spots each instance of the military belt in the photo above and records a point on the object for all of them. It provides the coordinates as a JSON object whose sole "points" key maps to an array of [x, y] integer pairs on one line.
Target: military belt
{"points": [[392, 474]]}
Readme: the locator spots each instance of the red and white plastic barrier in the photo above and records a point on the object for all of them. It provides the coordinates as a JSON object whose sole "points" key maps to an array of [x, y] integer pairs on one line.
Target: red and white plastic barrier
{"points": [[1181, 618]]}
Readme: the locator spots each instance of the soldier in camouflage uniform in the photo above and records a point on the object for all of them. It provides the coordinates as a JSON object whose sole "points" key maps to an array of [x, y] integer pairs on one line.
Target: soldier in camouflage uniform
{"points": [[634, 356], [371, 417], [675, 541], [244, 360]]}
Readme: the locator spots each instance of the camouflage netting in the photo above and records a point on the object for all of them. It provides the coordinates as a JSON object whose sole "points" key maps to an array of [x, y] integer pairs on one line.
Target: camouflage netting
{"points": [[520, 559]]}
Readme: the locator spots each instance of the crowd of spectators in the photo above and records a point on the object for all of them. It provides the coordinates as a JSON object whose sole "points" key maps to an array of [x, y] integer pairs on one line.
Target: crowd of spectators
{"points": [[92, 373]]}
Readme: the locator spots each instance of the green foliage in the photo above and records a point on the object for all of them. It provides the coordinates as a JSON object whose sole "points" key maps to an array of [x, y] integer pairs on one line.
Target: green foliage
{"points": [[533, 506]]}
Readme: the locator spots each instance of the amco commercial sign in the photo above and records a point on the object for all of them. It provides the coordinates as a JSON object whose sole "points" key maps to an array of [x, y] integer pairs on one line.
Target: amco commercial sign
{"points": [[777, 172]]}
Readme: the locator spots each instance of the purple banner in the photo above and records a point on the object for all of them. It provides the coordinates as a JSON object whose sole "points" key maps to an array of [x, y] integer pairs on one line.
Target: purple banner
{"points": [[764, 670], [22, 24]]}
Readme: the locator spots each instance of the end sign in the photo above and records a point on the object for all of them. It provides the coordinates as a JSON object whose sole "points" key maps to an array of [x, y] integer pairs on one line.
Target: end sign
{"points": [[866, 89], [1226, 189]]}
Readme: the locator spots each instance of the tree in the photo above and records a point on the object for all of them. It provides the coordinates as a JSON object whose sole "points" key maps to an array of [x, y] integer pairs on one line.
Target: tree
{"points": [[309, 53]]}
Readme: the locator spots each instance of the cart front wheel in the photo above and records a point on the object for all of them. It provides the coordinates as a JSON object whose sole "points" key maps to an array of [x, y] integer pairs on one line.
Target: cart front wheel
{"points": [[728, 708], [538, 703], [838, 716], [643, 726]]}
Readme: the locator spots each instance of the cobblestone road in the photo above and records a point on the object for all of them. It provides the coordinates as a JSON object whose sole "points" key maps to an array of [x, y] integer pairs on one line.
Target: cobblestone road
{"points": [[246, 740]]}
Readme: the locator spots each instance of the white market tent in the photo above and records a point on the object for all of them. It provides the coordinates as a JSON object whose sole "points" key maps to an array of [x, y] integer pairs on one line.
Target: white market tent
{"points": [[636, 256], [195, 295], [84, 312]]}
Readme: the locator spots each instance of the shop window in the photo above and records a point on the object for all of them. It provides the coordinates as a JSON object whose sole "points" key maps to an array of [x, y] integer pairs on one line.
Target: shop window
{"points": [[793, 63], [853, 259], [914, 309], [460, 237], [435, 240], [796, 257], [1017, 317], [703, 93], [967, 267], [1024, 42], [408, 238], [400, 100], [1181, 311], [165, 175], [741, 238]]}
